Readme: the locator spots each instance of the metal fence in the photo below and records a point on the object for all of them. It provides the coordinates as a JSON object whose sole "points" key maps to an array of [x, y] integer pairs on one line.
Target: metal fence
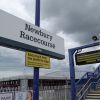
{"points": [[54, 93], [48, 89], [47, 92]]}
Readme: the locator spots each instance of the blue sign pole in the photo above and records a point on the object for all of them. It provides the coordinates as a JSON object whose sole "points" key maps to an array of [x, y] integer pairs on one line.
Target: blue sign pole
{"points": [[72, 67], [72, 74], [36, 70]]}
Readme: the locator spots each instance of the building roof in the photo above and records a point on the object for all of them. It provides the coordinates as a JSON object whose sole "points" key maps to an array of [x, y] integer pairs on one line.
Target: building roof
{"points": [[65, 74], [9, 75], [14, 75]]}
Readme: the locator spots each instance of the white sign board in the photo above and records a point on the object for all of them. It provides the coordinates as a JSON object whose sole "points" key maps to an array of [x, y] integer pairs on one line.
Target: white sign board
{"points": [[6, 96], [24, 35]]}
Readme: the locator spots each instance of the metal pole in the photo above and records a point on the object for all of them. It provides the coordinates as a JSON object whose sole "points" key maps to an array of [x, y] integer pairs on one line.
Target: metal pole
{"points": [[72, 74], [36, 70]]}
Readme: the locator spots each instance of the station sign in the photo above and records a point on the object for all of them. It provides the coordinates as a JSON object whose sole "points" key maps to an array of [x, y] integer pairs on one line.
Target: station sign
{"points": [[20, 34], [37, 60], [88, 57]]}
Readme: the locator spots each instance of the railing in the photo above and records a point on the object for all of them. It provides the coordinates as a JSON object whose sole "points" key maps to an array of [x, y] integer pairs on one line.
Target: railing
{"points": [[80, 93], [98, 82], [87, 87], [91, 81], [83, 80], [82, 97]]}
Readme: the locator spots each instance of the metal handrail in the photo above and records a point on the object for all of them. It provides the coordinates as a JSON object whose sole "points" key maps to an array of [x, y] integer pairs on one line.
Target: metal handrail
{"points": [[86, 88], [85, 91], [83, 87], [96, 72], [97, 68], [81, 78], [98, 81]]}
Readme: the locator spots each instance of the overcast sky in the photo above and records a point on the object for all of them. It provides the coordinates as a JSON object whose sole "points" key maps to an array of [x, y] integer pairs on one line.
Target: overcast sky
{"points": [[74, 20]]}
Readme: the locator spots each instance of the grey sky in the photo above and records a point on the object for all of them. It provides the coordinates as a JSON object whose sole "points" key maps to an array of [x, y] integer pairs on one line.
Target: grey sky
{"points": [[74, 20], [78, 18]]}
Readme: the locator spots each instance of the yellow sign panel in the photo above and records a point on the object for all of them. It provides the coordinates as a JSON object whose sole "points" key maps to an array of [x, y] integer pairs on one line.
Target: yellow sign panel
{"points": [[88, 57], [37, 60]]}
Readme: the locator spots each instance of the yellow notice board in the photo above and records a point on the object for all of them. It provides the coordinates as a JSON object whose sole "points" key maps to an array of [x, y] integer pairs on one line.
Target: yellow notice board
{"points": [[37, 60]]}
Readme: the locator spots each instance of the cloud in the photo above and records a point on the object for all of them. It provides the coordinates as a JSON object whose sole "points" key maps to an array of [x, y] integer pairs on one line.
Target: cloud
{"points": [[12, 59], [79, 18], [17, 8], [74, 20]]}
